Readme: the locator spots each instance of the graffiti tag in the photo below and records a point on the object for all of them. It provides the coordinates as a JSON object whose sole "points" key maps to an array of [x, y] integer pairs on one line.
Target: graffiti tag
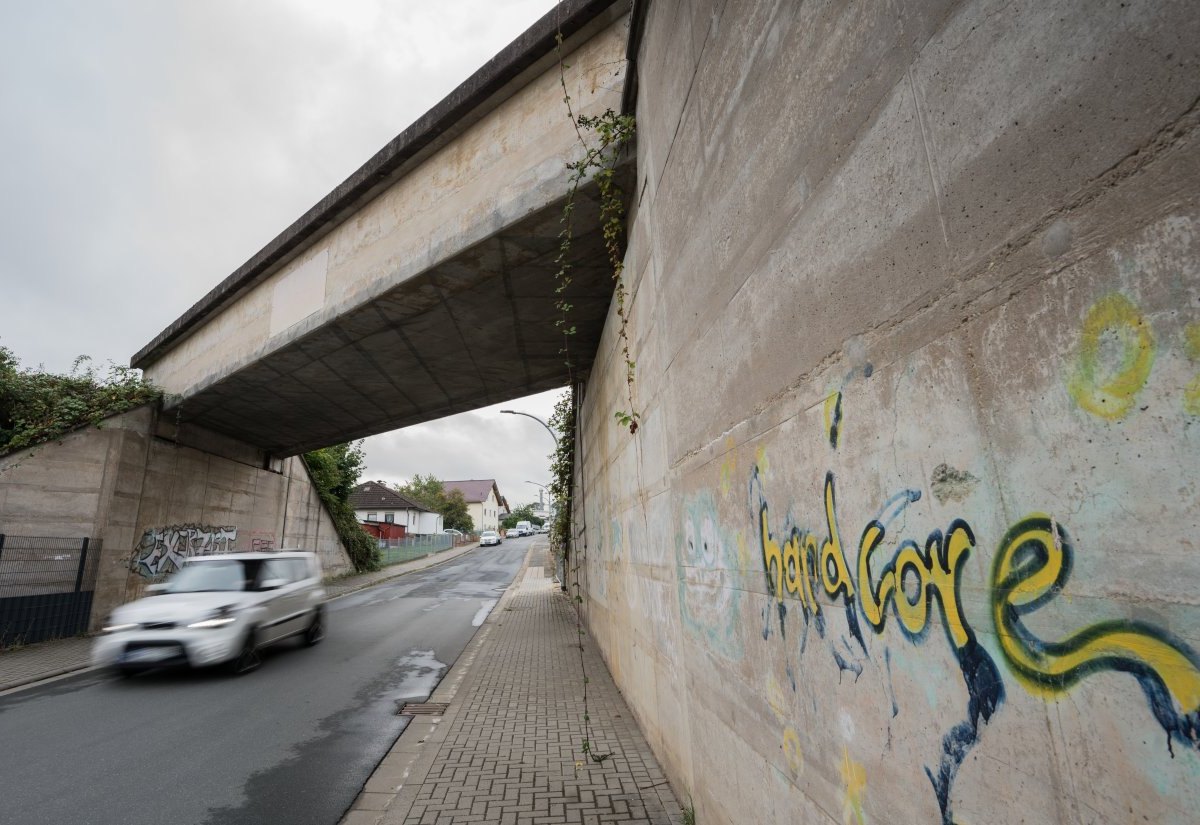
{"points": [[162, 550]]}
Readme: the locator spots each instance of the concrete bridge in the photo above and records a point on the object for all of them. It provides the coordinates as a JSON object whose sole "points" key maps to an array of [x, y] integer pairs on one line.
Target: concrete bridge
{"points": [[424, 285], [908, 532]]}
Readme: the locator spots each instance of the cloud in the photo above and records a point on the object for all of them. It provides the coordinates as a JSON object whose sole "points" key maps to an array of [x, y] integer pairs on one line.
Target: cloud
{"points": [[484, 443], [152, 148]]}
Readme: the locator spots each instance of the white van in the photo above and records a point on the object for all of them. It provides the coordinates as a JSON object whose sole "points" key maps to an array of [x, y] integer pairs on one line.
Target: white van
{"points": [[526, 528]]}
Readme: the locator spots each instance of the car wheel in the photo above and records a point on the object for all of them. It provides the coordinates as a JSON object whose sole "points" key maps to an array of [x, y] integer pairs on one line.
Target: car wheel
{"points": [[126, 671], [316, 631], [249, 657]]}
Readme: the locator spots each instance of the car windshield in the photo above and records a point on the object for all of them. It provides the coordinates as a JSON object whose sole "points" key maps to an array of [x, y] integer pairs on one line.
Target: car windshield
{"points": [[489, 532], [224, 574]]}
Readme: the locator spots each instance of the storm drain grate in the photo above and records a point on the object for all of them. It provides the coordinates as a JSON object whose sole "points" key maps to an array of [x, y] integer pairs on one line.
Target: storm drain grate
{"points": [[423, 709]]}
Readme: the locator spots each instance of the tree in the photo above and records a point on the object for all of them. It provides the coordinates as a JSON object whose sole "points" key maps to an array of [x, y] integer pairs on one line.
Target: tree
{"points": [[334, 472], [425, 490], [455, 514], [522, 513], [429, 491]]}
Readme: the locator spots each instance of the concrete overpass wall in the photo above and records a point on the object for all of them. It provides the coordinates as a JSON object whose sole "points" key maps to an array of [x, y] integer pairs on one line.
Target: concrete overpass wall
{"points": [[909, 530], [149, 499], [488, 173]]}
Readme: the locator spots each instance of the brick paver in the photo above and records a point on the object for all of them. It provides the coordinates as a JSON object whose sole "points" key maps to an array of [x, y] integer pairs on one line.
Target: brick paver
{"points": [[513, 751]]}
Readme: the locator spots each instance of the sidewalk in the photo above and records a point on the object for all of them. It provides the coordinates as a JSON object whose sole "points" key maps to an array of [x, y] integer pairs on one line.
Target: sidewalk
{"points": [[507, 748], [26, 665]]}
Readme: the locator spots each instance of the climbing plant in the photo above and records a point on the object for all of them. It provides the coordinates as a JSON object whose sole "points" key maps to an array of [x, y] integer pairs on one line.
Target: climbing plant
{"points": [[334, 472], [562, 472], [38, 406], [603, 139]]}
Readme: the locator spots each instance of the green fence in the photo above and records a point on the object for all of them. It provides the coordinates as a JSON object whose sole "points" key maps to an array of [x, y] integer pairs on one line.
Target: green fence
{"points": [[413, 547]]}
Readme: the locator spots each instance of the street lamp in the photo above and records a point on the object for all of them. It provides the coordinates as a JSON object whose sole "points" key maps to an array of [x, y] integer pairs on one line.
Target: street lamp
{"points": [[541, 504], [538, 420]]}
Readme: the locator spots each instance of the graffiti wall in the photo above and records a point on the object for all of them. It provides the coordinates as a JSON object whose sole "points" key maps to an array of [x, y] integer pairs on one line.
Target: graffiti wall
{"points": [[163, 550], [907, 533]]}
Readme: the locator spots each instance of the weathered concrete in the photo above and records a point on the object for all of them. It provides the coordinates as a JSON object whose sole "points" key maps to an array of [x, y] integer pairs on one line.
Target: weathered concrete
{"points": [[917, 282], [150, 495], [424, 285]]}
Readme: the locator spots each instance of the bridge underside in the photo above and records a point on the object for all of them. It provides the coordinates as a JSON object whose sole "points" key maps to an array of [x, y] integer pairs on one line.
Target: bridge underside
{"points": [[478, 329]]}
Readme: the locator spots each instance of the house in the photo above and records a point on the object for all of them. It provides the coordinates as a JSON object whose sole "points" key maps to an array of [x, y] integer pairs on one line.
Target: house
{"points": [[375, 502], [483, 501]]}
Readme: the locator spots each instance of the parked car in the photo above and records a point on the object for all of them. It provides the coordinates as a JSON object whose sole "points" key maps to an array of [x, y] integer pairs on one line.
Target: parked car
{"points": [[488, 538], [458, 534], [512, 533], [545, 528], [217, 610]]}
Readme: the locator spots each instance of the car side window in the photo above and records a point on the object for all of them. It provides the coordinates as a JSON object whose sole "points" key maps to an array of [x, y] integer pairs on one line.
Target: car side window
{"points": [[274, 569], [299, 569]]}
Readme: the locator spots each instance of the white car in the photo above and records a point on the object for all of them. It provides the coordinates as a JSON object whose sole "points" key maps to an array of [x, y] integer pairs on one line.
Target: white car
{"points": [[513, 533], [488, 538], [215, 610]]}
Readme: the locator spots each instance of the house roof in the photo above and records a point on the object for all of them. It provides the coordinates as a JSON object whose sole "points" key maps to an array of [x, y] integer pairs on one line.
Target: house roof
{"points": [[474, 490], [373, 495]]}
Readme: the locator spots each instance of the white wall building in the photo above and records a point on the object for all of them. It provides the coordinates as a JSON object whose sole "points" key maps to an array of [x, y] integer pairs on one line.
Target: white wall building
{"points": [[374, 501]]}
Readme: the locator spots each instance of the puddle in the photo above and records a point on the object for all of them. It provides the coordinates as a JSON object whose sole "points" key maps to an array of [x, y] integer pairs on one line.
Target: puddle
{"points": [[482, 614]]}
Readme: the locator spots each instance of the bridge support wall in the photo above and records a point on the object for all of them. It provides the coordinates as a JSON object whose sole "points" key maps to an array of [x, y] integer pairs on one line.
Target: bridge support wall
{"points": [[908, 531], [151, 500]]}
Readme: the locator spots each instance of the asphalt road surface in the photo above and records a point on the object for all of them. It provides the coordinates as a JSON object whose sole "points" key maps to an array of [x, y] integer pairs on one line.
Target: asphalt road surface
{"points": [[292, 742]]}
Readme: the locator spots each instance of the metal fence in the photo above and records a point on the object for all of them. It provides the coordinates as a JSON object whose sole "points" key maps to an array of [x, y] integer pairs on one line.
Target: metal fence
{"points": [[46, 587], [394, 551]]}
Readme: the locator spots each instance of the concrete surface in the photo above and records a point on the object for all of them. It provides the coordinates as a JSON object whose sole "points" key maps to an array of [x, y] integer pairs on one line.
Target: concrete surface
{"points": [[431, 291], [908, 530], [153, 492]]}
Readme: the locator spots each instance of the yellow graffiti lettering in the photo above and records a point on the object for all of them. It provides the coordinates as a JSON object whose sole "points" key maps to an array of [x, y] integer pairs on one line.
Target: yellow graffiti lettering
{"points": [[1109, 391], [854, 781], [1031, 567], [791, 752], [936, 572], [791, 565], [835, 573], [872, 599], [913, 612], [772, 556], [1191, 348]]}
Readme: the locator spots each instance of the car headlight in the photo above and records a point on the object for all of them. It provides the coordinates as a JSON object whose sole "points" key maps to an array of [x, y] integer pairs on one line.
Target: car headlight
{"points": [[220, 617], [117, 627]]}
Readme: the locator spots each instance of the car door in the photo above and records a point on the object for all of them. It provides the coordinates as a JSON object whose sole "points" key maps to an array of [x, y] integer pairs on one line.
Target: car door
{"points": [[283, 612]]}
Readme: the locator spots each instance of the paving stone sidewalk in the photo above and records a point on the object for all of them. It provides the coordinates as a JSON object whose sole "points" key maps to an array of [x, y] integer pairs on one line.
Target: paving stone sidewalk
{"points": [[508, 748], [33, 663]]}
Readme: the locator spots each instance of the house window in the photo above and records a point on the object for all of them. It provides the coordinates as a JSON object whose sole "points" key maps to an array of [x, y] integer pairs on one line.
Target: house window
{"points": [[372, 516], [389, 517]]}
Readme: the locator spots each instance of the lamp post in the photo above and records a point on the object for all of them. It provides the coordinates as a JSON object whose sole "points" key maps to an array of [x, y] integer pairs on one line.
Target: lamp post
{"points": [[541, 503], [538, 420]]}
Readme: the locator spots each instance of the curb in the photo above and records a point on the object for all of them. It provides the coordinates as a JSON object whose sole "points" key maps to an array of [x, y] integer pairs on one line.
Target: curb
{"points": [[390, 791]]}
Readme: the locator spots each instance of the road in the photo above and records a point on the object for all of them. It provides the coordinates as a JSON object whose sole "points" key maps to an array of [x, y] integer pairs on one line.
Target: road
{"points": [[292, 742]]}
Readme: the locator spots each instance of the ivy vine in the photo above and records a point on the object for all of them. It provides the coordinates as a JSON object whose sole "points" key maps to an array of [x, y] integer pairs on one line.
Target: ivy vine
{"points": [[603, 138]]}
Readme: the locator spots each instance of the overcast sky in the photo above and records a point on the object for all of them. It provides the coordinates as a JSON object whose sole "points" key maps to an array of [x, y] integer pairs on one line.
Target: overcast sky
{"points": [[151, 147]]}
